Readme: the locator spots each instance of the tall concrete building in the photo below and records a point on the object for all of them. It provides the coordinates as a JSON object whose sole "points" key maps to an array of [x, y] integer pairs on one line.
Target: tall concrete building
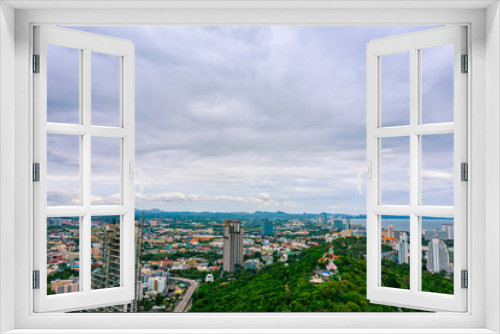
{"points": [[390, 231], [107, 274], [233, 245], [347, 224], [403, 248], [438, 257], [448, 228], [338, 225], [322, 218], [267, 228]]}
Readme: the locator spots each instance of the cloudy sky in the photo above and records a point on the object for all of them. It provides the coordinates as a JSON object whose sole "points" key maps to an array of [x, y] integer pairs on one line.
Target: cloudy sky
{"points": [[250, 118]]}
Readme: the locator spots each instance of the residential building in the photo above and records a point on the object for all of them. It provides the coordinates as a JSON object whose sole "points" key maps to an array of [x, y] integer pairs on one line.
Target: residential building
{"points": [[403, 248], [267, 228], [144, 278], [347, 224], [252, 264], [448, 228], [107, 274], [438, 257], [216, 244], [390, 231], [233, 245], [65, 286], [157, 284], [338, 225], [346, 233], [322, 218]]}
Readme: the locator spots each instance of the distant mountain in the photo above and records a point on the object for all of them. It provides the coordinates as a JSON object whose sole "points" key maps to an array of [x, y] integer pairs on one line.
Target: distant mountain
{"points": [[157, 213]]}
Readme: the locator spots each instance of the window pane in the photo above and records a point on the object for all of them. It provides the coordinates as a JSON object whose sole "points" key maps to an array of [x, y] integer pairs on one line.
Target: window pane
{"points": [[105, 252], [437, 254], [395, 251], [63, 255], [106, 171], [437, 169], [437, 84], [395, 170], [395, 89], [63, 170], [105, 89], [63, 84]]}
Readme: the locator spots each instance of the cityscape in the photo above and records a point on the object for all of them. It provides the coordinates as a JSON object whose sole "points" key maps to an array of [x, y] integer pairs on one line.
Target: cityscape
{"points": [[183, 264], [241, 131]]}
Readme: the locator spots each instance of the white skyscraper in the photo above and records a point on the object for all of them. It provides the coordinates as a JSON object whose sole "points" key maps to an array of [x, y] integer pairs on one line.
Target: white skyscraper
{"points": [[438, 257], [403, 248], [347, 224], [448, 228], [322, 218]]}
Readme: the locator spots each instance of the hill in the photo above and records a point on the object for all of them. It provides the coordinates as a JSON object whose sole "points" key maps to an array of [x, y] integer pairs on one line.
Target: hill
{"points": [[286, 288], [156, 213], [281, 288]]}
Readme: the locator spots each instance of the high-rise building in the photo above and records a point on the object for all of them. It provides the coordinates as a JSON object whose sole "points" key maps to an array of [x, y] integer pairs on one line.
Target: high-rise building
{"points": [[403, 248], [106, 256], [398, 234], [338, 225], [322, 218], [233, 245], [347, 224], [267, 228], [144, 278], [438, 257], [390, 231], [448, 228], [107, 274]]}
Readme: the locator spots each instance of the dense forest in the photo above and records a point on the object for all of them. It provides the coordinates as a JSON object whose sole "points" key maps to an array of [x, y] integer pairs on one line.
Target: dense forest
{"points": [[286, 288]]}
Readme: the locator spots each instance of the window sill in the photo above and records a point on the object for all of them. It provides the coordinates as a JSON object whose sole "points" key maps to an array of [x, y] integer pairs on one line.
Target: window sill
{"points": [[251, 331]]}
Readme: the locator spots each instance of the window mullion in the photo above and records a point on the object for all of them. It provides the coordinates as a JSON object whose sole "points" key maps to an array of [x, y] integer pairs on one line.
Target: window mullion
{"points": [[414, 168], [85, 177]]}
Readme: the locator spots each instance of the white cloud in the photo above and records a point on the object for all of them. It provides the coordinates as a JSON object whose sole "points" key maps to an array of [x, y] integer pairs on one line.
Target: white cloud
{"points": [[260, 200], [240, 118]]}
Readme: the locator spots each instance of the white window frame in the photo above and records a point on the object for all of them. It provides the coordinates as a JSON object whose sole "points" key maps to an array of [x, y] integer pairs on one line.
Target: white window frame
{"points": [[85, 43], [483, 20], [413, 43]]}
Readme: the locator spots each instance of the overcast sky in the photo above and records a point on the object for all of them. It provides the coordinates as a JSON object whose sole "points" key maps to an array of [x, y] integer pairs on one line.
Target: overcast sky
{"points": [[250, 118]]}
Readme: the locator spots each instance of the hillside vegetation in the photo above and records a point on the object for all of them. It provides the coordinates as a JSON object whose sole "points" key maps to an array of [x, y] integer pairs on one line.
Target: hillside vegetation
{"points": [[281, 288]]}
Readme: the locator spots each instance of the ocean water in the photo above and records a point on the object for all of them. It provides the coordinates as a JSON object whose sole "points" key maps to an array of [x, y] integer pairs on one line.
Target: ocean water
{"points": [[404, 224]]}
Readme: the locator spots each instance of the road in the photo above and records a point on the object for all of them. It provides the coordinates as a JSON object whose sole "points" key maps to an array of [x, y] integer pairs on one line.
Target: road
{"points": [[185, 303]]}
